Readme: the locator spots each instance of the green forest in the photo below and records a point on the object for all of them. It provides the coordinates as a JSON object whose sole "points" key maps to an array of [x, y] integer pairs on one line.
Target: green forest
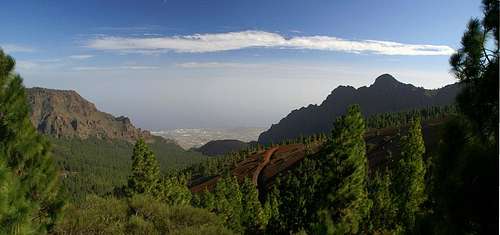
{"points": [[65, 186], [96, 166]]}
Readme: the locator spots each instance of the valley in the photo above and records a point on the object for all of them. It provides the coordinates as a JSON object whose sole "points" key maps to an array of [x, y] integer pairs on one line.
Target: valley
{"points": [[197, 137], [249, 117]]}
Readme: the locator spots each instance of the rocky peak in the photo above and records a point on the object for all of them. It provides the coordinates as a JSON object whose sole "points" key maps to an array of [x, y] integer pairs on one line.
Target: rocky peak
{"points": [[64, 113], [386, 80]]}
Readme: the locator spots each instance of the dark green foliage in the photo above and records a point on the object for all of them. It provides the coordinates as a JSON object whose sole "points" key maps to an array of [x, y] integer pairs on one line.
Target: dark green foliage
{"points": [[254, 216], [145, 177], [476, 66], [238, 205], [95, 166], [346, 202], [409, 178], [174, 190], [398, 191], [465, 182], [298, 197], [29, 181], [223, 147], [137, 215], [219, 165], [383, 217], [399, 119], [13, 207], [465, 171], [326, 193], [272, 210], [225, 201]]}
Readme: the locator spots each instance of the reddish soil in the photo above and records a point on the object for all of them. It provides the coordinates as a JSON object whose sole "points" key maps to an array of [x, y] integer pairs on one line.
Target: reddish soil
{"points": [[284, 158], [264, 166], [206, 185], [266, 156], [247, 167]]}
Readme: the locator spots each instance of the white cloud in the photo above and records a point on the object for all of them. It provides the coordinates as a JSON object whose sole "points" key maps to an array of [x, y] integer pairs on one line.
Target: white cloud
{"points": [[126, 67], [10, 48], [200, 43], [80, 57]]}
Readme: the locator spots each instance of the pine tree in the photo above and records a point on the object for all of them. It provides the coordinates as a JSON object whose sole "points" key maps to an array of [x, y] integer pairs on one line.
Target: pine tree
{"points": [[174, 191], [10, 203], [226, 202], [346, 202], [298, 196], [253, 216], [145, 176], [465, 183], [383, 215], [25, 162], [409, 179], [475, 65], [271, 208]]}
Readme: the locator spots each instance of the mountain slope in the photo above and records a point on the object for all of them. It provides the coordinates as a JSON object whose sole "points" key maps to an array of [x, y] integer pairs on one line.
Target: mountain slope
{"points": [[385, 95], [63, 113], [379, 144], [93, 148], [221, 147], [96, 166]]}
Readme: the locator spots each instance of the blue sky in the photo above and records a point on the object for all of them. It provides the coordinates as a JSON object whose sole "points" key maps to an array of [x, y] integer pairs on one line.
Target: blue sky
{"points": [[179, 63]]}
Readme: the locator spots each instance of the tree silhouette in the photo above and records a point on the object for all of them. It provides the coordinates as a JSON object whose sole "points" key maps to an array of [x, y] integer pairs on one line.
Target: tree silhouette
{"points": [[475, 64]]}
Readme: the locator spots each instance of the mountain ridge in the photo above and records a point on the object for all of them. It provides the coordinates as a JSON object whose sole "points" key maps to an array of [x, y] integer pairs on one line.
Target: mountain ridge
{"points": [[381, 96]]}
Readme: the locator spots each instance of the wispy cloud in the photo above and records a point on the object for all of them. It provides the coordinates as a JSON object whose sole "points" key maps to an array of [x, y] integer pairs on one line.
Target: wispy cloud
{"points": [[201, 43], [190, 65], [127, 67], [27, 65], [50, 60], [10, 48], [80, 57], [249, 67], [129, 28], [39, 64]]}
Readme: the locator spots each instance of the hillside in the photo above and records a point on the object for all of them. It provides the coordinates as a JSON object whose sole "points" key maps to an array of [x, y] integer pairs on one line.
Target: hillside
{"points": [[94, 166], [264, 166], [94, 148], [221, 147], [386, 94]]}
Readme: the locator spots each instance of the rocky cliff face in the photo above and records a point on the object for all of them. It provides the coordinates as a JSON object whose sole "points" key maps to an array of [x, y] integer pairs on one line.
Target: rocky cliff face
{"points": [[64, 113]]}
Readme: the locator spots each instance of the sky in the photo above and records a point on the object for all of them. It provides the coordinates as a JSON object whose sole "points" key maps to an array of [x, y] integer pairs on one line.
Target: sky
{"points": [[222, 63]]}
